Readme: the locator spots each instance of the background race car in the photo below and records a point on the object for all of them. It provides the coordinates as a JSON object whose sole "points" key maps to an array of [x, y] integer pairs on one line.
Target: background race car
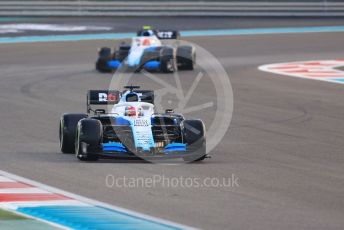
{"points": [[147, 51], [131, 129]]}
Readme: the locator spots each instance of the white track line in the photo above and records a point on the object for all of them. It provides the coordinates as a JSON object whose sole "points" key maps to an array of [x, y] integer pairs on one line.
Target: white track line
{"points": [[5, 179], [23, 191], [27, 204]]}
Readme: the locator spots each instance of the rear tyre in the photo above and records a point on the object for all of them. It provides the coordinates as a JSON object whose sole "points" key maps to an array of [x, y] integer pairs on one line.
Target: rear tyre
{"points": [[122, 53], [88, 139], [104, 56], [194, 137], [167, 60], [186, 57], [105, 52], [67, 130]]}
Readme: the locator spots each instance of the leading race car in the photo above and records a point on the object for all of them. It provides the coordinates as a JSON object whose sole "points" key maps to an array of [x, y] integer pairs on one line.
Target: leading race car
{"points": [[147, 51], [131, 129]]}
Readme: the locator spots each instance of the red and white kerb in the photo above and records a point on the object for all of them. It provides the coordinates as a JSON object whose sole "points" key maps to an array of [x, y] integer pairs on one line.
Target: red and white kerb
{"points": [[323, 70]]}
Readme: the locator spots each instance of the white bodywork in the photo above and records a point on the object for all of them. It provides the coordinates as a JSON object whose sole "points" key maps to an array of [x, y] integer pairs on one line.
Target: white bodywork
{"points": [[138, 45], [143, 109], [141, 123]]}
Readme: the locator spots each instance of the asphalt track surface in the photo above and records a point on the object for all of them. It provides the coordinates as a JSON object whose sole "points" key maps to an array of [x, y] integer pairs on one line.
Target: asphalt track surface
{"points": [[285, 143], [131, 24]]}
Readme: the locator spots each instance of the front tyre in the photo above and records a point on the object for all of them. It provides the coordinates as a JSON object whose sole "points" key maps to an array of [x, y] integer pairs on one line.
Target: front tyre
{"points": [[194, 135], [186, 57], [88, 139], [67, 130]]}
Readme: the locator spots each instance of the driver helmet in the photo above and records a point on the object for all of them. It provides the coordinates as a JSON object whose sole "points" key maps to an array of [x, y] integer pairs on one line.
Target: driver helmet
{"points": [[130, 111], [147, 33]]}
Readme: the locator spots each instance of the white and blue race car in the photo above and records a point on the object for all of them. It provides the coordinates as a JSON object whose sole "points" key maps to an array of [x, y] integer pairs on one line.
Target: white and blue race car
{"points": [[147, 51], [132, 129]]}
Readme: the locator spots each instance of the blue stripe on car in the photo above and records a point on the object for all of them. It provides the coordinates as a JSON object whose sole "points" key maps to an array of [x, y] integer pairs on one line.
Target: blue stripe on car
{"points": [[114, 146], [113, 64], [175, 147], [152, 65]]}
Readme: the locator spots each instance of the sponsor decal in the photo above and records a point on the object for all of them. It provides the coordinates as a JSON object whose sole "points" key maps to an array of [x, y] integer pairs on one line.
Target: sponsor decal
{"points": [[141, 122], [167, 34], [146, 42], [103, 97]]}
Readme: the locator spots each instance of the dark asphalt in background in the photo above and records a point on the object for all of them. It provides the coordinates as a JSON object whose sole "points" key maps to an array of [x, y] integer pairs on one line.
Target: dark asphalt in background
{"points": [[120, 24], [285, 143]]}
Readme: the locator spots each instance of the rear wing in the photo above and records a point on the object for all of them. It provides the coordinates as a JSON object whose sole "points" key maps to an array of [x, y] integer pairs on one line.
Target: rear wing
{"points": [[162, 34], [102, 97], [112, 97], [167, 34], [146, 95]]}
